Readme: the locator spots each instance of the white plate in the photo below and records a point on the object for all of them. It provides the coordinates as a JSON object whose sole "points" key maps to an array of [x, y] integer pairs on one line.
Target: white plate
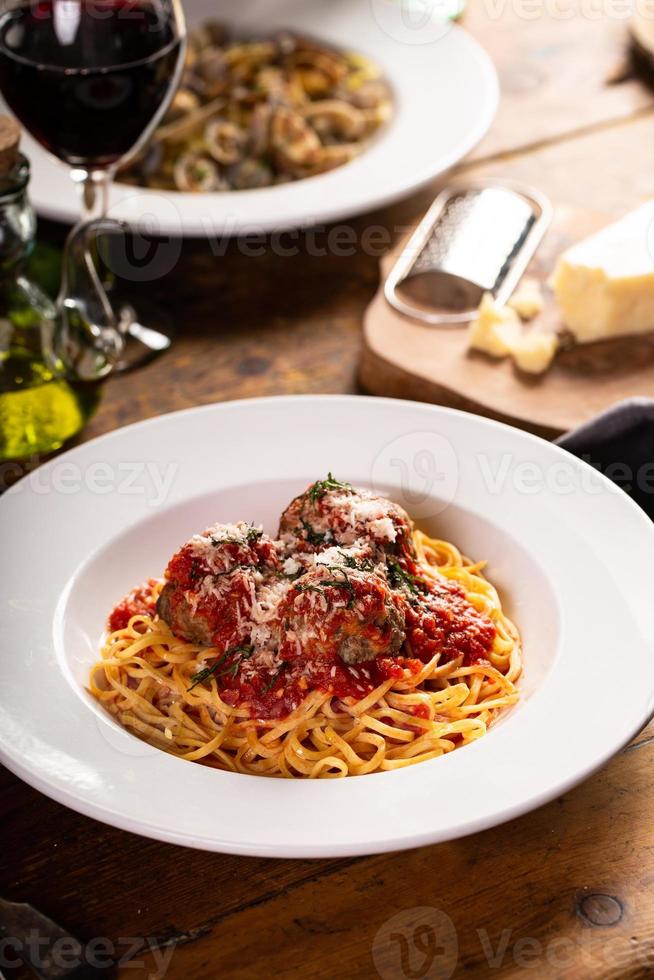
{"points": [[446, 95], [570, 554]]}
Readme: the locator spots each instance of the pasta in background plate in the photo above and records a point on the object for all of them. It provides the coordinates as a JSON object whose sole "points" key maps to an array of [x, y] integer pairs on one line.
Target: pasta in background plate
{"points": [[254, 113]]}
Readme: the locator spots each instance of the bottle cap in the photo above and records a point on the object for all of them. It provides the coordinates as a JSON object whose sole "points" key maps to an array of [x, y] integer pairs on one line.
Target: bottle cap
{"points": [[9, 143]]}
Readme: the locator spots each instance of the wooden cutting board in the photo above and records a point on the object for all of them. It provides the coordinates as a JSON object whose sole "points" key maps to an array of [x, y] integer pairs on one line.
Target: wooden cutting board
{"points": [[406, 359]]}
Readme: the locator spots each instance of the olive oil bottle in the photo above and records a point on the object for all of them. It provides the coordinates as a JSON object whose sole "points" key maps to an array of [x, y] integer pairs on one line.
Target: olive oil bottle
{"points": [[39, 409]]}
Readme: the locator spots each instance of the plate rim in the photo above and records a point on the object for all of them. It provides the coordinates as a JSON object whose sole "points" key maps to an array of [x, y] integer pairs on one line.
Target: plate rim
{"points": [[148, 829]]}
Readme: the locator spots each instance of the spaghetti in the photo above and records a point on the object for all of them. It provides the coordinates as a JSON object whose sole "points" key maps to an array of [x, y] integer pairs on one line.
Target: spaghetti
{"points": [[233, 708]]}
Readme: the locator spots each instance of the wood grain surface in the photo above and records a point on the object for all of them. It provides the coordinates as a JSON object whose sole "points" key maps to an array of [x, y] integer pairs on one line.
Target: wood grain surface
{"points": [[565, 892]]}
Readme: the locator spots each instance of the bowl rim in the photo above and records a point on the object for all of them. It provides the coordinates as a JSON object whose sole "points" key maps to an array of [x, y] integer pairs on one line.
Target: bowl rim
{"points": [[494, 761]]}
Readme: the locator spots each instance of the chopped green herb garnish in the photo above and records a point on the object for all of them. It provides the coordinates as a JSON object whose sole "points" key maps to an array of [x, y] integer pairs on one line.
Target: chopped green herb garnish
{"points": [[315, 493], [337, 583], [399, 577], [310, 588], [234, 668], [251, 535], [321, 487], [207, 672], [313, 536], [230, 571], [365, 565], [273, 680]]}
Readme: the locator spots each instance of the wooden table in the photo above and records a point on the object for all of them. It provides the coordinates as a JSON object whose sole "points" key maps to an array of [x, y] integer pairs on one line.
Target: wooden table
{"points": [[563, 892]]}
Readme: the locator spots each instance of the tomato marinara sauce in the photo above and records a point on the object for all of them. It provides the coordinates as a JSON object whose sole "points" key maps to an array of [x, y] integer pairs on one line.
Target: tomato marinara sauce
{"points": [[139, 602]]}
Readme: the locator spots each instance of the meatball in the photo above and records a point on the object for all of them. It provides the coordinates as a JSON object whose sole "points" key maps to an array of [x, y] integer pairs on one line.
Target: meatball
{"points": [[212, 582], [330, 512], [335, 610]]}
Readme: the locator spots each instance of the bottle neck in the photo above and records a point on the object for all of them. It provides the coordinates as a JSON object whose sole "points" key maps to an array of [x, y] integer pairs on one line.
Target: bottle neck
{"points": [[17, 220]]}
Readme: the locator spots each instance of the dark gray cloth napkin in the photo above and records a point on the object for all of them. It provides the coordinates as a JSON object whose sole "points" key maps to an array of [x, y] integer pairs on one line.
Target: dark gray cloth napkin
{"points": [[620, 443]]}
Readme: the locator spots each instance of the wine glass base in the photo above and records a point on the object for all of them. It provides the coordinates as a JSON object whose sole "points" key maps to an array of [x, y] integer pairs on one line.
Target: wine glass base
{"points": [[146, 335]]}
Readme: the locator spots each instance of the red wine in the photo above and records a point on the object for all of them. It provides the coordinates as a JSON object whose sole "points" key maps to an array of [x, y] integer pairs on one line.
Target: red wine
{"points": [[87, 77]]}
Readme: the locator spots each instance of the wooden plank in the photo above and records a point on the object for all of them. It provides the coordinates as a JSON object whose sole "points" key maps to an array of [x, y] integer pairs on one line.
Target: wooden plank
{"points": [[555, 62], [608, 170], [565, 893], [115, 884]]}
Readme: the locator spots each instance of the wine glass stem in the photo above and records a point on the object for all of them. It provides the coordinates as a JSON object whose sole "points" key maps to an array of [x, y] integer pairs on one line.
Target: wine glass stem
{"points": [[89, 338], [93, 185], [94, 191]]}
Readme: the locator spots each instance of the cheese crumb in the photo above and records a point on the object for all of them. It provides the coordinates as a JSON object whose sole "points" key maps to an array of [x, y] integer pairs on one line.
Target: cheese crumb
{"points": [[291, 566], [534, 352], [527, 300], [330, 556], [495, 329], [383, 529], [498, 331]]}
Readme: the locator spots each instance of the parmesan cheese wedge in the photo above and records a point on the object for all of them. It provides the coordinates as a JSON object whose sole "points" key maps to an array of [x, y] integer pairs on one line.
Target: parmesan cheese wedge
{"points": [[604, 285]]}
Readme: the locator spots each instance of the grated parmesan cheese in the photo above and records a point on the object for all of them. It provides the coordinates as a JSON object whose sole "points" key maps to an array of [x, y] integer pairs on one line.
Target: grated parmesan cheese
{"points": [[206, 546], [365, 515], [266, 599], [291, 566], [384, 529], [331, 556], [260, 635]]}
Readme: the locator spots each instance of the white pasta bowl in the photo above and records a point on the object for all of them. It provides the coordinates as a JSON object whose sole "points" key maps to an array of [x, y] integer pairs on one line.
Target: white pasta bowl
{"points": [[569, 554]]}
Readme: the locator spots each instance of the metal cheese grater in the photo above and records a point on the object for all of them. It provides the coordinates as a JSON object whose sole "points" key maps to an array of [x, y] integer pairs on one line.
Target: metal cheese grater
{"points": [[477, 237]]}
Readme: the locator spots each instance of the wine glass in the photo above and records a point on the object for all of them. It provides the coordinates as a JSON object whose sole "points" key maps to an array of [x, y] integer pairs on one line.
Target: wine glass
{"points": [[90, 80]]}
